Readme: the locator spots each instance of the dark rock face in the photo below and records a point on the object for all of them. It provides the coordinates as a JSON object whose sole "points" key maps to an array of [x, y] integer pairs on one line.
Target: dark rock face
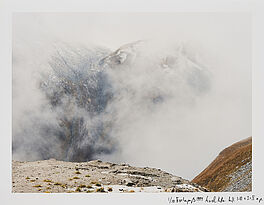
{"points": [[76, 91], [59, 176]]}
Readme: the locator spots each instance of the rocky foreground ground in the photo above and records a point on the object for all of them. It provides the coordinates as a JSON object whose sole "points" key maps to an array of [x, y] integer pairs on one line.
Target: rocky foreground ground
{"points": [[231, 171], [52, 176]]}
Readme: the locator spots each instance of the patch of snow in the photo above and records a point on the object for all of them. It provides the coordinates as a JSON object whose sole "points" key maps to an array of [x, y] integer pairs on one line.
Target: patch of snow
{"points": [[185, 186], [134, 175], [123, 188]]}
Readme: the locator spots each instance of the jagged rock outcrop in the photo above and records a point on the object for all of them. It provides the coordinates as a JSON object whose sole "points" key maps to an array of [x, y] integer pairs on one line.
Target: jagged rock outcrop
{"points": [[51, 176], [231, 171]]}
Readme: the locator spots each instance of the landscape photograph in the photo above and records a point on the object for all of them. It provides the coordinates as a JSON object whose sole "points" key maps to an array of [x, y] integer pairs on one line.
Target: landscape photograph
{"points": [[131, 102]]}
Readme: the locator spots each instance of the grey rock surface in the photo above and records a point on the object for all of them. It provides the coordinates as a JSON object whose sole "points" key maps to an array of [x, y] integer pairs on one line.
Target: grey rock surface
{"points": [[53, 176], [241, 179]]}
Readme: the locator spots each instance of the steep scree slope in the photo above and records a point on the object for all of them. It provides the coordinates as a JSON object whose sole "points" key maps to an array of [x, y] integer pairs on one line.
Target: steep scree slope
{"points": [[231, 171]]}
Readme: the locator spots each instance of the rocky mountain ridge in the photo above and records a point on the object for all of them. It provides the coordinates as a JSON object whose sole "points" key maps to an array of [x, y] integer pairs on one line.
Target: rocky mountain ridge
{"points": [[52, 176]]}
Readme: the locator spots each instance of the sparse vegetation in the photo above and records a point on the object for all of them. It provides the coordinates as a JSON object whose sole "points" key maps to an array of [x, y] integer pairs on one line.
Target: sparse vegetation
{"points": [[64, 186], [110, 189], [100, 190], [47, 180], [78, 189], [38, 185]]}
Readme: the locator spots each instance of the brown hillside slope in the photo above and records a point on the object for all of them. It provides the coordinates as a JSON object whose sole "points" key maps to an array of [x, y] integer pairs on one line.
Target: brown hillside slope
{"points": [[231, 170]]}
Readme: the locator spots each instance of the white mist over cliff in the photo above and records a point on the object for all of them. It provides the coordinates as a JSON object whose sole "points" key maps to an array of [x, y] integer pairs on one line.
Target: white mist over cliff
{"points": [[84, 87]]}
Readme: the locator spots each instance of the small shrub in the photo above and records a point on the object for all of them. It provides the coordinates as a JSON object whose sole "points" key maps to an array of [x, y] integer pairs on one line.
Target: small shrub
{"points": [[78, 189], [87, 175], [63, 186], [110, 189], [76, 178], [100, 190], [57, 183], [77, 172], [47, 180], [97, 184], [82, 186], [37, 185]]}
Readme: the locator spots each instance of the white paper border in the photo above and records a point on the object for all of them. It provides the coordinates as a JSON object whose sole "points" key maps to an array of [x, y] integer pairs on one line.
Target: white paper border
{"points": [[255, 7]]}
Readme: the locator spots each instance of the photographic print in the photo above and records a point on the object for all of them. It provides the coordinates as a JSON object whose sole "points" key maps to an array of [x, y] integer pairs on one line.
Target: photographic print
{"points": [[119, 102]]}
